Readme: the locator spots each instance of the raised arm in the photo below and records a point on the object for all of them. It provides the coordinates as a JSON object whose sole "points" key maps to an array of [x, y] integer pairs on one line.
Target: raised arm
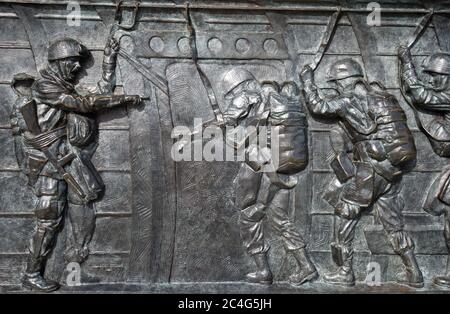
{"points": [[422, 96], [108, 81], [94, 103], [315, 103], [53, 95]]}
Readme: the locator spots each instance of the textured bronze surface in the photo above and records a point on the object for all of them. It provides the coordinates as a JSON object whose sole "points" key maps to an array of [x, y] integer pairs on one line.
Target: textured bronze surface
{"points": [[357, 193]]}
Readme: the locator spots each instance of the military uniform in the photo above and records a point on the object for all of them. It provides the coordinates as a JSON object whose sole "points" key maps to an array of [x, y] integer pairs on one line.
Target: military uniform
{"points": [[435, 123], [58, 141], [260, 193], [371, 173]]}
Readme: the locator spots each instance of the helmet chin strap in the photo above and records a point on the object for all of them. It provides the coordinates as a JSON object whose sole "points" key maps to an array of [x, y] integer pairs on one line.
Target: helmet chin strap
{"points": [[340, 87]]}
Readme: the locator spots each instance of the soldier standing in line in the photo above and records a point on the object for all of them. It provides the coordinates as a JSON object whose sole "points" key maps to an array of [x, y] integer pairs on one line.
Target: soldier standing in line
{"points": [[261, 194], [58, 134], [383, 146], [434, 99]]}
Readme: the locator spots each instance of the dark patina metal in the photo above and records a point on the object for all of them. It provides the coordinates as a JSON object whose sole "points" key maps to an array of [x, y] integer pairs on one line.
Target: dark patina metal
{"points": [[355, 200]]}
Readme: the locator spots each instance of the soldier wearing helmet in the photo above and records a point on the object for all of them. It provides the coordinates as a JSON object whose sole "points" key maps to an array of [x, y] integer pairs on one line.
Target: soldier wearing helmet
{"points": [[371, 153], [433, 100], [251, 103], [58, 140]]}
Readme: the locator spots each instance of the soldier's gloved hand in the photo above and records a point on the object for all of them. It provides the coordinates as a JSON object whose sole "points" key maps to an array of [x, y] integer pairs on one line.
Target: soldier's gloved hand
{"points": [[133, 100], [404, 54], [307, 74], [112, 48]]}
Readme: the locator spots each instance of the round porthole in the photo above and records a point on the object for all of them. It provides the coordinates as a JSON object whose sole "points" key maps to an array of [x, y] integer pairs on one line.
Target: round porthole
{"points": [[242, 45], [183, 45], [215, 45], [156, 44], [270, 46]]}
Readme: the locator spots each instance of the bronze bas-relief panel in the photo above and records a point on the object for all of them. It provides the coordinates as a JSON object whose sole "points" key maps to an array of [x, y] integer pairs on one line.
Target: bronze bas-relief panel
{"points": [[354, 196]]}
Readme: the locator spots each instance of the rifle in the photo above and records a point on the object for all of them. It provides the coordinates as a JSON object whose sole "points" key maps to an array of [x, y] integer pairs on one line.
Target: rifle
{"points": [[29, 115]]}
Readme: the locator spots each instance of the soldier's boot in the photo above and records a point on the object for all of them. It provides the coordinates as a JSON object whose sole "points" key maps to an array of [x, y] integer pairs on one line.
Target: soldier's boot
{"points": [[413, 276], [36, 282], [33, 278], [82, 222], [343, 276], [443, 281], [263, 275], [40, 247], [308, 271]]}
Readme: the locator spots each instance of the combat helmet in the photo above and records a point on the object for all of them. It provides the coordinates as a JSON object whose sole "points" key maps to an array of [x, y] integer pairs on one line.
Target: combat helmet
{"points": [[234, 78], [437, 63], [65, 48], [343, 69]]}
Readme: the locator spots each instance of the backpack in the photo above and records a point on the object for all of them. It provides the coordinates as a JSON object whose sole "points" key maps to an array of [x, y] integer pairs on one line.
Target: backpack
{"points": [[21, 85]]}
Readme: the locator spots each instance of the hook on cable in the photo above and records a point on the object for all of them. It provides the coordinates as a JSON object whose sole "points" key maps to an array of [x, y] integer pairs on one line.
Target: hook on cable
{"points": [[118, 15]]}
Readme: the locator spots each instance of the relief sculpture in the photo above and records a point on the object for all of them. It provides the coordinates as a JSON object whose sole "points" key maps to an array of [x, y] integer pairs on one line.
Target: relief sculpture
{"points": [[252, 103], [432, 98], [370, 175], [57, 138], [339, 144]]}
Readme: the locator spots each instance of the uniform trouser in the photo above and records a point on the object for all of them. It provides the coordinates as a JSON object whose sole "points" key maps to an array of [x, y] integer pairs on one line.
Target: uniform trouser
{"points": [[435, 206], [447, 229], [258, 199], [387, 204], [51, 201], [52, 195], [446, 214]]}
